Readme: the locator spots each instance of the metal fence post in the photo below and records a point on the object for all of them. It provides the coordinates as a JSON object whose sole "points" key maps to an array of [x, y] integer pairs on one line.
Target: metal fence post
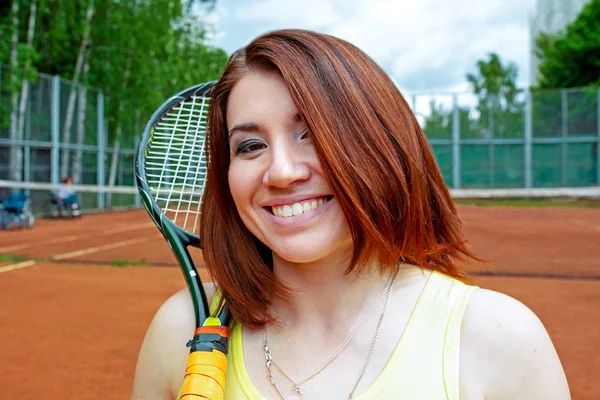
{"points": [[598, 142], [491, 160], [55, 129], [27, 137], [100, 178], [455, 143], [564, 151], [27, 161], [527, 141]]}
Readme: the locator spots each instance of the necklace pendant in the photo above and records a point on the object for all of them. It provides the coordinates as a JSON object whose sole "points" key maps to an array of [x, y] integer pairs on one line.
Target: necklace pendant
{"points": [[297, 389]]}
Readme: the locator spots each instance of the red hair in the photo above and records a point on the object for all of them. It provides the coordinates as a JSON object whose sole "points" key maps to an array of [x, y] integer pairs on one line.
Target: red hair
{"points": [[371, 149]]}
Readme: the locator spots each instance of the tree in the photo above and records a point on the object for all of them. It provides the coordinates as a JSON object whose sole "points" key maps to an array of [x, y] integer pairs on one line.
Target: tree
{"points": [[137, 52], [571, 58], [147, 65], [494, 83], [438, 125], [79, 64], [568, 59], [499, 106], [15, 151]]}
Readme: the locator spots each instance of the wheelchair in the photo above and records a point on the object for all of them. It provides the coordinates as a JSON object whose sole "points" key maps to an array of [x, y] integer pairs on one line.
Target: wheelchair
{"points": [[16, 211]]}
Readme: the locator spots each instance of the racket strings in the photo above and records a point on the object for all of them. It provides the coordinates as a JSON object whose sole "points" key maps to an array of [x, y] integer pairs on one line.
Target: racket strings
{"points": [[175, 162]]}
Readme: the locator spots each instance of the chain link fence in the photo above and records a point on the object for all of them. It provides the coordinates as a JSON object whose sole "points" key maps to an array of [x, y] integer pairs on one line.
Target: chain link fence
{"points": [[541, 139], [538, 140]]}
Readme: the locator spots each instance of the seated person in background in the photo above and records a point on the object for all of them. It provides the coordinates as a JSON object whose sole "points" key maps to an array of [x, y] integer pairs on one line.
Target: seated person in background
{"points": [[66, 199]]}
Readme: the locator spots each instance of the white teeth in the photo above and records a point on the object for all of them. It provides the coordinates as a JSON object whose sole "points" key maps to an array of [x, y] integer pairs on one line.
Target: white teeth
{"points": [[287, 211], [297, 208]]}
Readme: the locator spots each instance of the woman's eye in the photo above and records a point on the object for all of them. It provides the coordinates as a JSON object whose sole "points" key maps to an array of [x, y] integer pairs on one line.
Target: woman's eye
{"points": [[249, 147], [305, 135]]}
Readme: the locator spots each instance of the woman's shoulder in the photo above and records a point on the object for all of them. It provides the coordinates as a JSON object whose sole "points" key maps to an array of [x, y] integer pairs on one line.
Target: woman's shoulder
{"points": [[176, 314], [507, 352], [163, 355], [180, 305]]}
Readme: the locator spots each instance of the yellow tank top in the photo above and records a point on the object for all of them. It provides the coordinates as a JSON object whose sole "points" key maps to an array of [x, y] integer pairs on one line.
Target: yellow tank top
{"points": [[424, 365]]}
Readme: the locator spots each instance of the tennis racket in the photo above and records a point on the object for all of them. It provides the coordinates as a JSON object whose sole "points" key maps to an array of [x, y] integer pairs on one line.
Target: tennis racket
{"points": [[170, 171]]}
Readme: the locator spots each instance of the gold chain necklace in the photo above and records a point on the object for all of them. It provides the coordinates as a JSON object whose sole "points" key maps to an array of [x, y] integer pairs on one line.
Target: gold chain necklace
{"points": [[270, 362]]}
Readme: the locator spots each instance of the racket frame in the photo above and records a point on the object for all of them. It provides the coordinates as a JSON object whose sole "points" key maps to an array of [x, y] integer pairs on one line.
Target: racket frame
{"points": [[177, 238]]}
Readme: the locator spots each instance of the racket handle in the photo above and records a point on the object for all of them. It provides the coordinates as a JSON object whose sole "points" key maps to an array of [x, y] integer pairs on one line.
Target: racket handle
{"points": [[205, 373]]}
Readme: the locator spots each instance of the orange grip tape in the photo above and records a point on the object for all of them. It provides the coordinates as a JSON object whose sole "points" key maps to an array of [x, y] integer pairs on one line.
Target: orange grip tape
{"points": [[201, 387], [219, 330], [205, 376]]}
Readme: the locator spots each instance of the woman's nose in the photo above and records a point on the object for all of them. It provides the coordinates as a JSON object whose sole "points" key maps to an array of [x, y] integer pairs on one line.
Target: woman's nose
{"points": [[286, 167]]}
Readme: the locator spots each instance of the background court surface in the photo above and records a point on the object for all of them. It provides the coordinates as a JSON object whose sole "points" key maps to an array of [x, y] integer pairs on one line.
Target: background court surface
{"points": [[72, 316]]}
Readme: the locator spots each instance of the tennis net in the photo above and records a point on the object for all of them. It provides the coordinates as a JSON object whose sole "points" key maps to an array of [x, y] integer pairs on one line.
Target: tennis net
{"points": [[91, 198]]}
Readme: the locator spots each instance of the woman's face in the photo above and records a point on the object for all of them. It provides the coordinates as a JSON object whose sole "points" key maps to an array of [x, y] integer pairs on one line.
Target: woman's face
{"points": [[275, 178]]}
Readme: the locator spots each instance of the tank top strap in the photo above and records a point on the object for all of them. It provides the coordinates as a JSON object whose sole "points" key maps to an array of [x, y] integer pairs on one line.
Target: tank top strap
{"points": [[425, 362], [458, 296], [214, 304]]}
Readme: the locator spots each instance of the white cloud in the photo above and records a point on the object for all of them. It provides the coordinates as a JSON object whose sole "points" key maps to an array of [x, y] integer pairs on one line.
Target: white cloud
{"points": [[423, 45], [310, 13]]}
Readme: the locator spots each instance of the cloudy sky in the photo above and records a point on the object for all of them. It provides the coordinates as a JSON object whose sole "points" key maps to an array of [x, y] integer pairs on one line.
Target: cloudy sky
{"points": [[426, 46]]}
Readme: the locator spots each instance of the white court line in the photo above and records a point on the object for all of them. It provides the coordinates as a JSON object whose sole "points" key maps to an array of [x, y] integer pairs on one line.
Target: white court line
{"points": [[78, 253], [72, 238], [26, 245], [22, 264], [64, 256]]}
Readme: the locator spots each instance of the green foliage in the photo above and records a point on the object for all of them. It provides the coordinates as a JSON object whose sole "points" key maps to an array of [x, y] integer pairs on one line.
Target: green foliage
{"points": [[572, 57], [128, 263], [141, 52], [438, 124], [494, 83], [569, 59], [499, 112], [10, 258]]}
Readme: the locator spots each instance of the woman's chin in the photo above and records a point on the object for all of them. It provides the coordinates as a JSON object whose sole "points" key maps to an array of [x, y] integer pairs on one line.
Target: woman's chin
{"points": [[303, 254], [298, 257]]}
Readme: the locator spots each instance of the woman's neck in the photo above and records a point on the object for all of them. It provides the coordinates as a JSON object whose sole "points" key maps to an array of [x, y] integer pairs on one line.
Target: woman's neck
{"points": [[323, 294]]}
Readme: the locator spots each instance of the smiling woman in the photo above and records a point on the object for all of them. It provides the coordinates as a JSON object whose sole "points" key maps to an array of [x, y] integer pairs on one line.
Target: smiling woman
{"points": [[275, 178], [334, 242]]}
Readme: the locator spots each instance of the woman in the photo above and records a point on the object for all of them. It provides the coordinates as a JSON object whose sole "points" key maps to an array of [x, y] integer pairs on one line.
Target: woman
{"points": [[333, 239]]}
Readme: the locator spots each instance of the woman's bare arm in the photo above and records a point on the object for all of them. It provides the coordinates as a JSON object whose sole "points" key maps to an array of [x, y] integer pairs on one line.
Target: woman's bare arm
{"points": [[163, 355], [506, 353]]}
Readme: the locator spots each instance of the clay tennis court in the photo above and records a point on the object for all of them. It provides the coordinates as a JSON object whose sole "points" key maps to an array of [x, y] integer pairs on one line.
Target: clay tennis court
{"points": [[74, 310]]}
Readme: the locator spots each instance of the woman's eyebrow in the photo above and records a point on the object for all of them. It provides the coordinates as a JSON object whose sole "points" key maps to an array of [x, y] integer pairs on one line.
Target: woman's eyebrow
{"points": [[254, 127], [245, 127]]}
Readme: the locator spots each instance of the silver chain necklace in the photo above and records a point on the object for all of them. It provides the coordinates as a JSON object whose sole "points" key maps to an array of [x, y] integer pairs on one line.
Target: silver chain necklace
{"points": [[270, 362], [332, 358]]}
